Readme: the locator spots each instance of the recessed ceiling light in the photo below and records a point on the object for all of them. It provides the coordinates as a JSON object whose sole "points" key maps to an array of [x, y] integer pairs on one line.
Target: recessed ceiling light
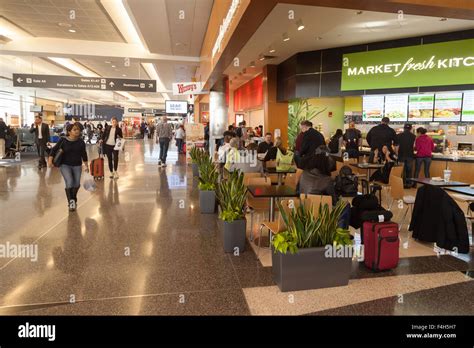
{"points": [[443, 19], [124, 75], [113, 66], [64, 25], [261, 57], [286, 37], [272, 50], [300, 25], [252, 64], [71, 30], [107, 62]]}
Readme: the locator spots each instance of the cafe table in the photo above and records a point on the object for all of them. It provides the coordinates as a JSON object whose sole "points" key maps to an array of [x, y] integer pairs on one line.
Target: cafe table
{"points": [[468, 191], [273, 192], [274, 170], [438, 183], [368, 167]]}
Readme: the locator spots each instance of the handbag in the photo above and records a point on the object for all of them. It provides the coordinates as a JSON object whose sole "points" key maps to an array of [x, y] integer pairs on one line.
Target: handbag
{"points": [[59, 155], [119, 144]]}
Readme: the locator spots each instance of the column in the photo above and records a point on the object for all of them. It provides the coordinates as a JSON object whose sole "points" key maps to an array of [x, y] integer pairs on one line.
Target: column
{"points": [[217, 114]]}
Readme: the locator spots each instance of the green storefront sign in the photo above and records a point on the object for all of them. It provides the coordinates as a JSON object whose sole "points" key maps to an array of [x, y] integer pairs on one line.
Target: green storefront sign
{"points": [[439, 64]]}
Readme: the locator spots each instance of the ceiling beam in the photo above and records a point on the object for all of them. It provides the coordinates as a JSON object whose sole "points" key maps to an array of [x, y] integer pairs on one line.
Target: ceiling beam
{"points": [[66, 48]]}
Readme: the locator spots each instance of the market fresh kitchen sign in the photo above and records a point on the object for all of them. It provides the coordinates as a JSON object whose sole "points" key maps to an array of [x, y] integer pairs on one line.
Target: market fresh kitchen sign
{"points": [[439, 64], [185, 88]]}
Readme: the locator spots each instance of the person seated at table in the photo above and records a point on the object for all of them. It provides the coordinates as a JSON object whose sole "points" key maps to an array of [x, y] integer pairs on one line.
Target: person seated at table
{"points": [[266, 145], [233, 155], [222, 152], [388, 159], [316, 177], [271, 154]]}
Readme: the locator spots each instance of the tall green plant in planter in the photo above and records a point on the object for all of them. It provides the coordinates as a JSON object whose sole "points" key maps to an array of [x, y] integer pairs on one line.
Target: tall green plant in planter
{"points": [[208, 176], [299, 110], [320, 253], [197, 154], [231, 195]]}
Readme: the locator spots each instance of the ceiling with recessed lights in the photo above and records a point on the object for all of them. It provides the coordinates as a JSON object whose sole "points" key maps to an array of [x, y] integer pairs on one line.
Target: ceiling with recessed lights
{"points": [[137, 39], [323, 27]]}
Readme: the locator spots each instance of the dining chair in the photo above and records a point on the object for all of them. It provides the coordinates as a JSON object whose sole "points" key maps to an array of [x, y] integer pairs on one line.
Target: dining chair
{"points": [[256, 205], [397, 193], [316, 200]]}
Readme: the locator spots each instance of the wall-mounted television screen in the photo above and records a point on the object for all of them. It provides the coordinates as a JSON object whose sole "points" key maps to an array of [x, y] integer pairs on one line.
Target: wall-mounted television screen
{"points": [[448, 106], [372, 107], [176, 107], [420, 107]]}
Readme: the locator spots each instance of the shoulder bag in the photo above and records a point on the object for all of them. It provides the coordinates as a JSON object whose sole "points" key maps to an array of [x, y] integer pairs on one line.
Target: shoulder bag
{"points": [[59, 154]]}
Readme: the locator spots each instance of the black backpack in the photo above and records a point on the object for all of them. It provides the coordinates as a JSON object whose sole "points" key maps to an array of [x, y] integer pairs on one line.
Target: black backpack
{"points": [[346, 182], [334, 145]]}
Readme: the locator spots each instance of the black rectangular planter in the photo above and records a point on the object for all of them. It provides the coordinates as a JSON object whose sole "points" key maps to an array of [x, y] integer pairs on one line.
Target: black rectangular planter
{"points": [[234, 234], [207, 202], [309, 269]]}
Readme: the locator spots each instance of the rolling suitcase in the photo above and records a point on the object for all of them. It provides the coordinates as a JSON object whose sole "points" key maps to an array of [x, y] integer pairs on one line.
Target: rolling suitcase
{"points": [[97, 167], [381, 245]]}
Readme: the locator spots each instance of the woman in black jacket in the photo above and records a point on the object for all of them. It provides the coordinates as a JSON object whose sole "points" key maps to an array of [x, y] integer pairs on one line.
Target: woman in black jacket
{"points": [[109, 138], [74, 154]]}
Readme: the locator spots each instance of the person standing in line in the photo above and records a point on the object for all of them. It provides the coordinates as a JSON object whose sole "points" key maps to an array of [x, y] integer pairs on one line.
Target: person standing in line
{"points": [[352, 140], [41, 131], [381, 135], [312, 139], [424, 147], [164, 133], [108, 141], [179, 136], [3, 135], [74, 155], [406, 142]]}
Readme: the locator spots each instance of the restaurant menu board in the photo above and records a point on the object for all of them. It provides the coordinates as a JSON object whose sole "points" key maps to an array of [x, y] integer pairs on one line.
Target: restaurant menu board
{"points": [[396, 106], [468, 107], [420, 107], [372, 107], [448, 107]]}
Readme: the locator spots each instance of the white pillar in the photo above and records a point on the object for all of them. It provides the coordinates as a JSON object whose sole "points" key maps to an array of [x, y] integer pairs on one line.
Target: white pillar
{"points": [[217, 118]]}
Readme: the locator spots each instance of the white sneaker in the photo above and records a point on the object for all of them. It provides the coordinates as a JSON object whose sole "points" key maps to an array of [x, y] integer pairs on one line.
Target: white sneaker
{"points": [[163, 165], [116, 176], [111, 175]]}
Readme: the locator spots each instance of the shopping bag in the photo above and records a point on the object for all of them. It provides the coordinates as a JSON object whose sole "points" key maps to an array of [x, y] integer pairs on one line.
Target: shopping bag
{"points": [[119, 144], [89, 183]]}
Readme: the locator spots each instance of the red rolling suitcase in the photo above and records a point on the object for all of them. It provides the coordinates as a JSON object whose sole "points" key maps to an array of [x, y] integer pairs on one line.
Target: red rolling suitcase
{"points": [[381, 245], [97, 168]]}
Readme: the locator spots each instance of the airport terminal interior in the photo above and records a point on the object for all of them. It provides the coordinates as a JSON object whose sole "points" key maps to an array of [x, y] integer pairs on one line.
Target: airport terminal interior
{"points": [[137, 175]]}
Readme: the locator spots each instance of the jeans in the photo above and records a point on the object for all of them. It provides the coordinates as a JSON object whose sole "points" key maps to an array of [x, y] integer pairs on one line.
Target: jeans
{"points": [[408, 169], [71, 175], [112, 156], [179, 143], [164, 144], [427, 162]]}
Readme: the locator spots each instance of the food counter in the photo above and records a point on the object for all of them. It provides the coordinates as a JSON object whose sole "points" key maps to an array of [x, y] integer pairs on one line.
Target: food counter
{"points": [[462, 167]]}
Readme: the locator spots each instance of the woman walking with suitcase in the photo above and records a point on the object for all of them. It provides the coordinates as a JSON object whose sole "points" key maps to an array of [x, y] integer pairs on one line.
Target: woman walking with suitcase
{"points": [[69, 154], [108, 141]]}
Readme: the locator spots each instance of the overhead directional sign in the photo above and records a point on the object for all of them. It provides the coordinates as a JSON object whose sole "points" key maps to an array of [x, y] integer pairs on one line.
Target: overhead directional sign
{"points": [[79, 82]]}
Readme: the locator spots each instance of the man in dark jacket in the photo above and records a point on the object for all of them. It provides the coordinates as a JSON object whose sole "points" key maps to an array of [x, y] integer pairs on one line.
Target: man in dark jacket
{"points": [[381, 135], [41, 131], [3, 135], [312, 139], [405, 142]]}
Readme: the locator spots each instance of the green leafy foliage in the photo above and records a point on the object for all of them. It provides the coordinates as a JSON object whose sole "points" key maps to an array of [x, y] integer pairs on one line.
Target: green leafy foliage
{"points": [[231, 195], [197, 154], [306, 231], [299, 110], [208, 174]]}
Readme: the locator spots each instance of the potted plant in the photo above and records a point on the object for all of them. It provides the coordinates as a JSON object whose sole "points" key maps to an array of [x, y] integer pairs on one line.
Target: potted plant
{"points": [[196, 158], [208, 176], [320, 252], [231, 195]]}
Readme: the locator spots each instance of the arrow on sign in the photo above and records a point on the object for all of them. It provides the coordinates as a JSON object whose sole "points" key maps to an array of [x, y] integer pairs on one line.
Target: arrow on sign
{"points": [[20, 80], [150, 85], [111, 84]]}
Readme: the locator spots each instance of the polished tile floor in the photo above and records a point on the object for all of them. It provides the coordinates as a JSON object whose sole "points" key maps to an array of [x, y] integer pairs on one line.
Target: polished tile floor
{"points": [[138, 245]]}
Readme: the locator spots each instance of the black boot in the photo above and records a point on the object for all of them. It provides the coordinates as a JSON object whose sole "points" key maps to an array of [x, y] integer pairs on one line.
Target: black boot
{"points": [[74, 193], [70, 200]]}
